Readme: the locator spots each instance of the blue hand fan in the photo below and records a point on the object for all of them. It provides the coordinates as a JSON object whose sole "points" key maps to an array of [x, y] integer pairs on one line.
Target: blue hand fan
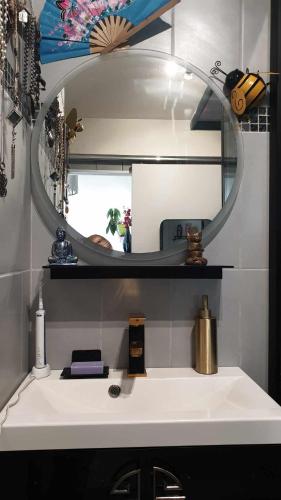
{"points": [[74, 28]]}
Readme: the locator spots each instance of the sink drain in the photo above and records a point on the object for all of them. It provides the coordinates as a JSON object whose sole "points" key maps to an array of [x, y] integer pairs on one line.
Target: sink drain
{"points": [[114, 391]]}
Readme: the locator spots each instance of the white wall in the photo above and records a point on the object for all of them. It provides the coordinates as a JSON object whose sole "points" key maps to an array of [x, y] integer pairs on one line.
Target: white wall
{"points": [[96, 194], [162, 192], [37, 6], [145, 137]]}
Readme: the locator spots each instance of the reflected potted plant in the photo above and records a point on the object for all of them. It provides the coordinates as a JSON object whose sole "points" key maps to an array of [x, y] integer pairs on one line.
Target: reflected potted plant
{"points": [[114, 216]]}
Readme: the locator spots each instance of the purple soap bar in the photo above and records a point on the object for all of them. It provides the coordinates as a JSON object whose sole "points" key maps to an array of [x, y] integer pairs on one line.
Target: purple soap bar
{"points": [[87, 368]]}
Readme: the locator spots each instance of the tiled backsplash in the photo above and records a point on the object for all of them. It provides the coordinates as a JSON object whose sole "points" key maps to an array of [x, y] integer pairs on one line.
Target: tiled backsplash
{"points": [[256, 120], [93, 314]]}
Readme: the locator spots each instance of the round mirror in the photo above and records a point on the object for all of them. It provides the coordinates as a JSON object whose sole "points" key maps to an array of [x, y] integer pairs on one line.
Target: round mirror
{"points": [[129, 151]]}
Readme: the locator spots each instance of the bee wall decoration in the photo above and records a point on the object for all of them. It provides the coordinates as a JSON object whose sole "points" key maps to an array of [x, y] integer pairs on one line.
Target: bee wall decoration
{"points": [[245, 90]]}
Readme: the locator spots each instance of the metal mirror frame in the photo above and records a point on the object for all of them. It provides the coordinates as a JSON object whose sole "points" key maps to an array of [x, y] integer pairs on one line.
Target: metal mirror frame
{"points": [[94, 254]]}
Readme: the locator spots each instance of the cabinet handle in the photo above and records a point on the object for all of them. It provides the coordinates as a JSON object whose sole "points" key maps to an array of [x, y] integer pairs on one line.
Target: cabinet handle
{"points": [[172, 487], [171, 498], [121, 492], [124, 481]]}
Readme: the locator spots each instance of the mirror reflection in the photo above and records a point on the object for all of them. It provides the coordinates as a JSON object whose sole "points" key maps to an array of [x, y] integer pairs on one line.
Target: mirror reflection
{"points": [[134, 150]]}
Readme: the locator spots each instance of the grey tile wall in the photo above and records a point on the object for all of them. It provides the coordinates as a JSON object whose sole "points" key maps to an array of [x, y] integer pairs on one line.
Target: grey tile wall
{"points": [[15, 238], [209, 30], [254, 323], [14, 331], [14, 327], [15, 208], [243, 241], [94, 314]]}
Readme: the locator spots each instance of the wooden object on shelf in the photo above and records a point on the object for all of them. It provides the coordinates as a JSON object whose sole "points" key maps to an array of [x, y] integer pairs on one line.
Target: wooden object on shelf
{"points": [[194, 248]]}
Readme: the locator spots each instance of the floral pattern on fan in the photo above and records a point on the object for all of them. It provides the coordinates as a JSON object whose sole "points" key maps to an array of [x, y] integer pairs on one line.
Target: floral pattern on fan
{"points": [[78, 16], [76, 28]]}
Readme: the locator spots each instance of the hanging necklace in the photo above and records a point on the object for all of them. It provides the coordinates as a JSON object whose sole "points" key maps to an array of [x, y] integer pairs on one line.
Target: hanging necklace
{"points": [[4, 9], [3, 48], [32, 70], [16, 89], [26, 58], [33, 81], [3, 177], [60, 163]]}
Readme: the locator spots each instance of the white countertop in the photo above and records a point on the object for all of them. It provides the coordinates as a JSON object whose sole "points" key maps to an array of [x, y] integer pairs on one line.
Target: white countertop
{"points": [[170, 407]]}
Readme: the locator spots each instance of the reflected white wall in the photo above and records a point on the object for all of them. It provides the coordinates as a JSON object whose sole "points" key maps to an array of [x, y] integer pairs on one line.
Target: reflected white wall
{"points": [[161, 192], [145, 138], [96, 194]]}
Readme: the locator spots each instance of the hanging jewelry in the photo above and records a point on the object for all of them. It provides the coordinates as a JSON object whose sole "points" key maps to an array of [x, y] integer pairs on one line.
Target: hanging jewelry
{"points": [[3, 177], [15, 112], [28, 65], [32, 82], [3, 32], [3, 181], [3, 48], [36, 81], [13, 154], [26, 58], [62, 159]]}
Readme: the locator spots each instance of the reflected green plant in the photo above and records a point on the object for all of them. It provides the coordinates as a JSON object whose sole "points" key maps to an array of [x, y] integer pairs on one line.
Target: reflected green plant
{"points": [[114, 216]]}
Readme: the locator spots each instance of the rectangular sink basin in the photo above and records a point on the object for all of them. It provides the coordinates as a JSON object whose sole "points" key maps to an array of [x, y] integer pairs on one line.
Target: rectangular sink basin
{"points": [[170, 407]]}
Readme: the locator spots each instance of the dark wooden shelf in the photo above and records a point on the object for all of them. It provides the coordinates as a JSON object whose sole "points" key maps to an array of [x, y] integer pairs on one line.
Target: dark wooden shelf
{"points": [[143, 272]]}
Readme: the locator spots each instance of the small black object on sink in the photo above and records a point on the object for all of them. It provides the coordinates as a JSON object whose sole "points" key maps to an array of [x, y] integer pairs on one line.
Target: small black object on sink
{"points": [[114, 391]]}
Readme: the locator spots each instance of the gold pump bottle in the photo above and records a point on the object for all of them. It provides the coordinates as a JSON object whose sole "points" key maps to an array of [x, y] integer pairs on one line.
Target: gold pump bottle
{"points": [[205, 340]]}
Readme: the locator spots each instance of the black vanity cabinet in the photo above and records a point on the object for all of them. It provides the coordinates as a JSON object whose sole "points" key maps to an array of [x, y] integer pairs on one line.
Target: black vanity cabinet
{"points": [[187, 473]]}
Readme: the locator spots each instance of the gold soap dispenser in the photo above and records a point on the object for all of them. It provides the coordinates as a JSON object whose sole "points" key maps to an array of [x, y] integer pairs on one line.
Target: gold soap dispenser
{"points": [[205, 340]]}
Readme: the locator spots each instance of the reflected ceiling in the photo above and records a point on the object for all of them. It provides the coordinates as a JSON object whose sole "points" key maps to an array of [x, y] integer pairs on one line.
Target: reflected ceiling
{"points": [[140, 93]]}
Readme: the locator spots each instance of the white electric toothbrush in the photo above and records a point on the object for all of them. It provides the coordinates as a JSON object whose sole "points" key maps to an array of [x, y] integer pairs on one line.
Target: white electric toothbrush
{"points": [[41, 368]]}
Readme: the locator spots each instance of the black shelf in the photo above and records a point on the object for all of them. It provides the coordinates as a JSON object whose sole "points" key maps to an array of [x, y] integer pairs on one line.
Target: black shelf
{"points": [[144, 272]]}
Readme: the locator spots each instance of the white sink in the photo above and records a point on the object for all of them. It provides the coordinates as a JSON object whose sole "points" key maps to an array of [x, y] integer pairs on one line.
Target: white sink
{"points": [[171, 407]]}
